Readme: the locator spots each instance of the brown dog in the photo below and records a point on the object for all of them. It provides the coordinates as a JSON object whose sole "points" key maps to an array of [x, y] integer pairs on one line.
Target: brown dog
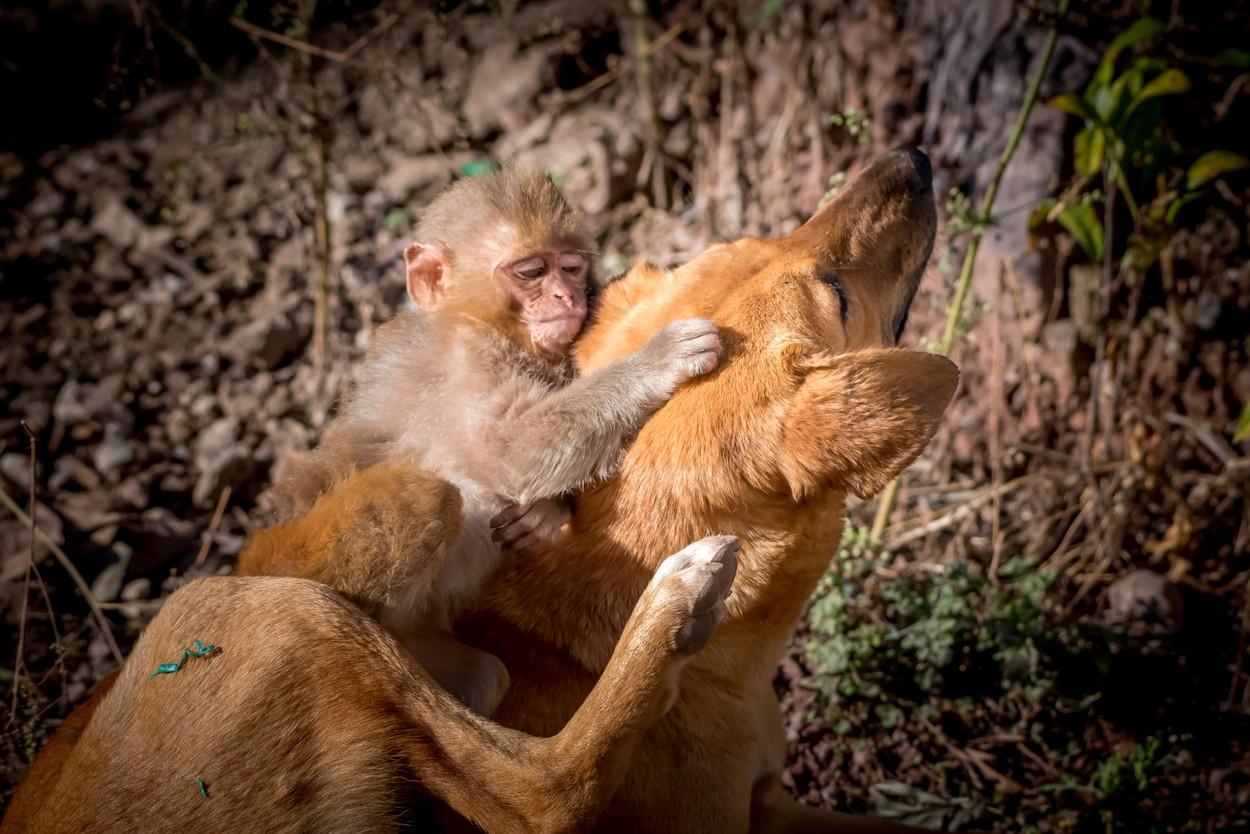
{"points": [[809, 404], [297, 712]]}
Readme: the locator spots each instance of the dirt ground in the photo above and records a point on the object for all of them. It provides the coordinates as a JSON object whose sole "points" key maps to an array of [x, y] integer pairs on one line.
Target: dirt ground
{"points": [[1055, 637]]}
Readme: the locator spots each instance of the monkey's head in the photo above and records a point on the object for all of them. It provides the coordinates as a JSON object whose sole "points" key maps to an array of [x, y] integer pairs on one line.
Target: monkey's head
{"points": [[507, 249]]}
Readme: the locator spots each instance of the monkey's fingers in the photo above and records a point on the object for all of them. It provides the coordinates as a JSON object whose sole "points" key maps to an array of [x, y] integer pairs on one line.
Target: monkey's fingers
{"points": [[530, 544], [508, 515], [506, 535]]}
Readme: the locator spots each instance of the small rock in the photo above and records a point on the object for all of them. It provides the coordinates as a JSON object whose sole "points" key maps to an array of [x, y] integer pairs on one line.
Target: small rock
{"points": [[501, 80], [16, 467], [46, 204], [215, 441], [67, 469], [1207, 310], [220, 461], [268, 342], [1143, 600], [117, 223], [79, 402], [99, 653], [408, 175], [108, 583], [113, 452], [133, 591]]}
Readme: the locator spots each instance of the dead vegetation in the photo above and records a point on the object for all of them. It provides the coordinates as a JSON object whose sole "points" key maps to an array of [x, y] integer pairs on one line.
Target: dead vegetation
{"points": [[165, 342]]}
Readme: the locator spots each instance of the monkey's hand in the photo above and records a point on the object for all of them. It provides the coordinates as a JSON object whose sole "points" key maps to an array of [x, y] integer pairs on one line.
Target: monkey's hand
{"points": [[683, 349], [526, 529]]}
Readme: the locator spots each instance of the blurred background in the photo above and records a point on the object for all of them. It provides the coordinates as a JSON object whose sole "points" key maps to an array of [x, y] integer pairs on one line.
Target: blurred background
{"points": [[202, 209]]}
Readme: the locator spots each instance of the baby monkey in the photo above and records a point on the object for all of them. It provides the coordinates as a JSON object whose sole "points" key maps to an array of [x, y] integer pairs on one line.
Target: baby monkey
{"points": [[475, 388]]}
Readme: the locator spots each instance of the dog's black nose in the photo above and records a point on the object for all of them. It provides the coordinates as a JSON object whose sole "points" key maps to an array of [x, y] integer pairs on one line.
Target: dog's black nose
{"points": [[919, 163]]}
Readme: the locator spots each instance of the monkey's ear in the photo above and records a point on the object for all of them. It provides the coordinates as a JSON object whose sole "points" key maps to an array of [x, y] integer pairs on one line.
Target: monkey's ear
{"points": [[427, 274]]}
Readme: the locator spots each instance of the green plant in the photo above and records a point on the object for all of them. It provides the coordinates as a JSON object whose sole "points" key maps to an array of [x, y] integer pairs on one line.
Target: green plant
{"points": [[768, 11], [961, 217], [856, 123], [1129, 773], [835, 183], [913, 665], [922, 632], [1122, 781], [396, 219], [1124, 147], [1243, 426], [963, 285]]}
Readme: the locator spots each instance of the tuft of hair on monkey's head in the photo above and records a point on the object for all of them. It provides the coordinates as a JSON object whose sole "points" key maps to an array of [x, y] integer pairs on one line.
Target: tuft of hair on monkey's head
{"points": [[479, 214]]}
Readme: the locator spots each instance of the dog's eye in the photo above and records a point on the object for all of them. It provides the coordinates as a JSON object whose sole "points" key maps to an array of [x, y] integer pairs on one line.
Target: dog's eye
{"points": [[831, 279]]}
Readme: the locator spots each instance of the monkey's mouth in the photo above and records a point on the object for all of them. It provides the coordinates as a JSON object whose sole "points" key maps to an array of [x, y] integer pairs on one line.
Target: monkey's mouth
{"points": [[559, 330]]}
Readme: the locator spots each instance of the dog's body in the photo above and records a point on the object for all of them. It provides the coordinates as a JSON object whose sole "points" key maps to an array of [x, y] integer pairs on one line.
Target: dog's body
{"points": [[305, 715], [808, 405]]}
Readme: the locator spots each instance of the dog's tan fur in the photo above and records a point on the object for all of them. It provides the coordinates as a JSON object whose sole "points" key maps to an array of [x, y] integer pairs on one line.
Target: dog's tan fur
{"points": [[308, 716], [806, 407]]}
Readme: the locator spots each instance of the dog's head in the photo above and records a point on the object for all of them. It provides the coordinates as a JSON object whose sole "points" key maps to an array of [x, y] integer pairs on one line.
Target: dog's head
{"points": [[812, 394]]}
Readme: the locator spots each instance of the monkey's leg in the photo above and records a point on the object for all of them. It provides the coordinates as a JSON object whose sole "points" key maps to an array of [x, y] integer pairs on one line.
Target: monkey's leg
{"points": [[377, 536]]}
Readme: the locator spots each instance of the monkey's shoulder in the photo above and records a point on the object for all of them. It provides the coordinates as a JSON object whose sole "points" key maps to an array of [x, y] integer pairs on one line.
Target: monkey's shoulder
{"points": [[464, 348]]}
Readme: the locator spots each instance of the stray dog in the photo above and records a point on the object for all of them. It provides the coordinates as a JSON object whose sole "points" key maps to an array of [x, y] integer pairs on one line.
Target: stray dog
{"points": [[812, 401]]}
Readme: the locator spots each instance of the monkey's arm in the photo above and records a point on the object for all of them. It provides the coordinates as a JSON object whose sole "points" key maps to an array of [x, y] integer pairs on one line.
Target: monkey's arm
{"points": [[576, 433]]}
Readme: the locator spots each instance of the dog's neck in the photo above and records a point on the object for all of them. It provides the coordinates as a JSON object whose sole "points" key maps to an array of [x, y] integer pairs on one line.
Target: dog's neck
{"points": [[623, 530]]}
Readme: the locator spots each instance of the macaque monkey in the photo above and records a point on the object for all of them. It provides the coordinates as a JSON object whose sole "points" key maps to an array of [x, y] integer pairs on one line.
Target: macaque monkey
{"points": [[476, 389]]}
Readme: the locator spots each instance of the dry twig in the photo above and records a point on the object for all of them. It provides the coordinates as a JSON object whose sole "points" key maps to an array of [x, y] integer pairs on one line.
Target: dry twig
{"points": [[347, 56], [68, 565], [207, 542], [30, 560], [32, 566]]}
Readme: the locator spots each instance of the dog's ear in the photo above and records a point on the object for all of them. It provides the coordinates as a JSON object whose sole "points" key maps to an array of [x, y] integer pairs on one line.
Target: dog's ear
{"points": [[861, 419]]}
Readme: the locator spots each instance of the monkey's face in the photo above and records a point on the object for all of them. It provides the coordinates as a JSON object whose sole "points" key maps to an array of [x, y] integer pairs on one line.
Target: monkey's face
{"points": [[548, 288]]}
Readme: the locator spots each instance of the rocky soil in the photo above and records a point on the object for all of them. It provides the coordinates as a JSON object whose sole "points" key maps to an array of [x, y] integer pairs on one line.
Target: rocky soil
{"points": [[159, 283]]}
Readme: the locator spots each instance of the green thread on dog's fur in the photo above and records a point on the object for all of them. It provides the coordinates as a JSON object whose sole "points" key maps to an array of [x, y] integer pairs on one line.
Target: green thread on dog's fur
{"points": [[200, 650], [203, 788]]}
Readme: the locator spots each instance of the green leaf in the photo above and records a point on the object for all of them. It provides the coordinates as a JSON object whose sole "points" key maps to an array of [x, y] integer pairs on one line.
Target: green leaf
{"points": [[1090, 145], [1071, 103], [1232, 58], [1143, 29], [1041, 212], [1168, 83], [1243, 426], [478, 167], [1083, 224], [1213, 164], [1113, 100], [1174, 208]]}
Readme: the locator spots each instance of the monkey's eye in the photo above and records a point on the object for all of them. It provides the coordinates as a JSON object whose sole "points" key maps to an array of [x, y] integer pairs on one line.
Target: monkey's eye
{"points": [[572, 261], [530, 269]]}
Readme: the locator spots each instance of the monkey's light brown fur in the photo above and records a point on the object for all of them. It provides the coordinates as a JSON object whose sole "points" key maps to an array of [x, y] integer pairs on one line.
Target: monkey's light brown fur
{"points": [[473, 389], [805, 408]]}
